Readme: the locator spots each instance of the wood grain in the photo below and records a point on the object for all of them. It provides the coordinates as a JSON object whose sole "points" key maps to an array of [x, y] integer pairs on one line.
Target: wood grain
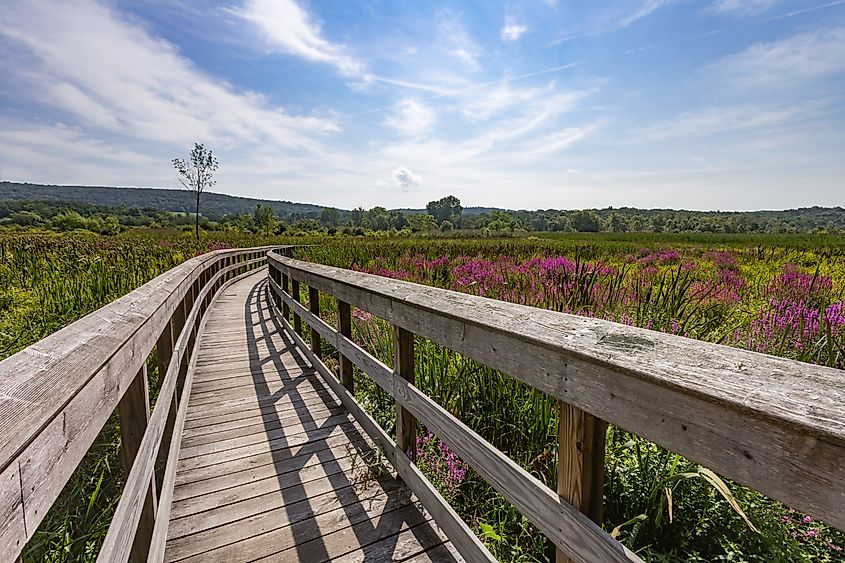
{"points": [[134, 413], [314, 307], [456, 529], [344, 325], [774, 424], [579, 538], [580, 466], [403, 366]]}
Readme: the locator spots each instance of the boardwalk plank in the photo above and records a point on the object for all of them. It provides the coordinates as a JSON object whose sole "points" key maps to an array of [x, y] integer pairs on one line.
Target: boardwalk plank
{"points": [[272, 465]]}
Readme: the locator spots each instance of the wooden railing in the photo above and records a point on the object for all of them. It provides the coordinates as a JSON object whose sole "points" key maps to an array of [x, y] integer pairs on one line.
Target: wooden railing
{"points": [[774, 424], [59, 393]]}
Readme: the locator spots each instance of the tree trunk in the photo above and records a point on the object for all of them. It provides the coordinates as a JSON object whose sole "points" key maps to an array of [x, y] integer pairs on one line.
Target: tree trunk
{"points": [[198, 215]]}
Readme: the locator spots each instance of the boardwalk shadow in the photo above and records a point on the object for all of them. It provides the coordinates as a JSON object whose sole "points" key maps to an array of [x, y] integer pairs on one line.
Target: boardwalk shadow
{"points": [[348, 512]]}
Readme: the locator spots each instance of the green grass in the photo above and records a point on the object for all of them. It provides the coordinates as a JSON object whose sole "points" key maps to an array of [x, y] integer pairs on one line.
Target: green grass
{"points": [[48, 280]]}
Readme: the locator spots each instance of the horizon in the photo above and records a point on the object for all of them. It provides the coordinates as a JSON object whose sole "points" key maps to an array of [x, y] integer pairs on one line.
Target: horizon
{"points": [[724, 105], [422, 207]]}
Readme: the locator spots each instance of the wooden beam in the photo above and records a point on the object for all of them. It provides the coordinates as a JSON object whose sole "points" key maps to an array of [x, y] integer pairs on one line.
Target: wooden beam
{"points": [[750, 417], [403, 365], [344, 325], [134, 412], [314, 307], [459, 534], [164, 353], [561, 522], [580, 469], [286, 289], [294, 291]]}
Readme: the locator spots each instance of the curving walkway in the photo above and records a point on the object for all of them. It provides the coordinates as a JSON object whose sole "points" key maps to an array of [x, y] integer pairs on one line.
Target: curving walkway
{"points": [[272, 467]]}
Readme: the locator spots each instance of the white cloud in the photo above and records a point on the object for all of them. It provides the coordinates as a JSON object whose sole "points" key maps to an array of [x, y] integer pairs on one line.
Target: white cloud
{"points": [[790, 62], [640, 11], [113, 76], [512, 30], [742, 7], [287, 27], [411, 117], [551, 143], [714, 120], [615, 14], [481, 104], [509, 138], [455, 40], [405, 178]]}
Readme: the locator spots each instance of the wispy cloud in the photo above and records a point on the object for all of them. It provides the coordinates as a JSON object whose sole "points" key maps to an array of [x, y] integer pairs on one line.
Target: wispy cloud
{"points": [[512, 30], [288, 27], [715, 120], [789, 62], [139, 86], [742, 7], [612, 16], [455, 39], [411, 118], [640, 11]]}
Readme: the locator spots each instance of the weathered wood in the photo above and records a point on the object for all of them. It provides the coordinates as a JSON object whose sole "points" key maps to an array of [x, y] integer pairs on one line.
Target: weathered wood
{"points": [[300, 462], [403, 366], [458, 532], [344, 325], [122, 531], [314, 307], [294, 289], [580, 470], [573, 532], [258, 481], [159, 535], [164, 353], [134, 413], [746, 415], [285, 286]]}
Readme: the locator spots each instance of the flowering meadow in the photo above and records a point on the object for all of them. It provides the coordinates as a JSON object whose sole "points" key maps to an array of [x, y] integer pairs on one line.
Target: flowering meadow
{"points": [[780, 295], [772, 298], [47, 281]]}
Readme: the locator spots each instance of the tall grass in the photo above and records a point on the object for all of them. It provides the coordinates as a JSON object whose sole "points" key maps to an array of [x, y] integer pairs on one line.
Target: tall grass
{"points": [[659, 504], [49, 280]]}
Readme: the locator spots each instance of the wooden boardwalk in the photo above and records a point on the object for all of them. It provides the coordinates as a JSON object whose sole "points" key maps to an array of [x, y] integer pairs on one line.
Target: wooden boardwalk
{"points": [[272, 466]]}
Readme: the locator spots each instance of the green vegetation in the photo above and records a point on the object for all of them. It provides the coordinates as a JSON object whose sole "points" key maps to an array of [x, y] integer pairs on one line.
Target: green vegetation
{"points": [[724, 287], [28, 205], [781, 295]]}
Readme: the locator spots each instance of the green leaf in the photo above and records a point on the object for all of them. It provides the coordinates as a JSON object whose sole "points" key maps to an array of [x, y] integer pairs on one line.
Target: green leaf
{"points": [[723, 489], [633, 520], [488, 532]]}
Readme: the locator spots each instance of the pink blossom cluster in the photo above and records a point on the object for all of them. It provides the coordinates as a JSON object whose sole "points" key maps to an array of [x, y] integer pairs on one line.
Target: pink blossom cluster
{"points": [[728, 287], [659, 257], [440, 460], [795, 285], [723, 259]]}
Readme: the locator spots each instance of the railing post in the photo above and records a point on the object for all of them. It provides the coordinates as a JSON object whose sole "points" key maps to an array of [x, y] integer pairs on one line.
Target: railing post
{"points": [[294, 292], [276, 277], [285, 306], [314, 307], [134, 413], [344, 325], [164, 353], [403, 365], [580, 466]]}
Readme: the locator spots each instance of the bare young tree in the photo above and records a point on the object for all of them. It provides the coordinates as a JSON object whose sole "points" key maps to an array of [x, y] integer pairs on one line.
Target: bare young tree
{"points": [[196, 174]]}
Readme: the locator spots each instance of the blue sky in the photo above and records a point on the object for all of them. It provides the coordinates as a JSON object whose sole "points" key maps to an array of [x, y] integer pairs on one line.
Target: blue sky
{"points": [[716, 104]]}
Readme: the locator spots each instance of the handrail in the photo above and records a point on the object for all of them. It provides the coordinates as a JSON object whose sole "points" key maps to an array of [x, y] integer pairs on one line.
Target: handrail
{"points": [[56, 395], [774, 424]]}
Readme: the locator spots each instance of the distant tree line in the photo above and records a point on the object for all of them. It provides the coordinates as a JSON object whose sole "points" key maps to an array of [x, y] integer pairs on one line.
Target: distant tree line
{"points": [[445, 214]]}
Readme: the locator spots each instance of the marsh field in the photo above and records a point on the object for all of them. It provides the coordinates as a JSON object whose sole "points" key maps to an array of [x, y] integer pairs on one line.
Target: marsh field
{"points": [[778, 294]]}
